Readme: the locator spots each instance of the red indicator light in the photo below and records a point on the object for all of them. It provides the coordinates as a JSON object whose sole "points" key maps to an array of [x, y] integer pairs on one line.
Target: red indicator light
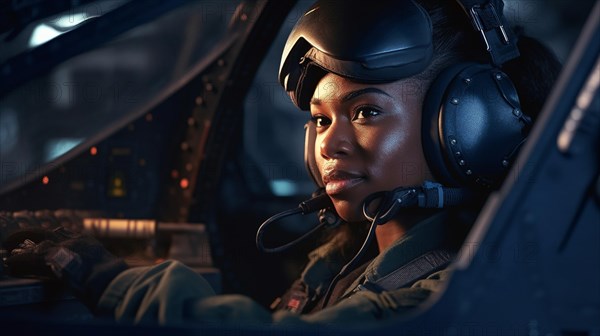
{"points": [[184, 183]]}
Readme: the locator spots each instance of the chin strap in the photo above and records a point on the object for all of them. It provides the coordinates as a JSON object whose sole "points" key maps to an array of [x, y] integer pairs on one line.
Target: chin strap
{"points": [[430, 195]]}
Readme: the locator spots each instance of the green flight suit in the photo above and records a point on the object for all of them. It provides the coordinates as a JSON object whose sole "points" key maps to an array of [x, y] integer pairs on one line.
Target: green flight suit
{"points": [[171, 293]]}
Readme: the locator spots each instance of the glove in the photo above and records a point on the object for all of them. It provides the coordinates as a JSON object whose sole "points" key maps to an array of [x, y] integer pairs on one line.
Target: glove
{"points": [[79, 261]]}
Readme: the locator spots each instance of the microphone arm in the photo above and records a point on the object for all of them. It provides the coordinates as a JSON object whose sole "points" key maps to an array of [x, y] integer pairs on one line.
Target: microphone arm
{"points": [[314, 204], [429, 195]]}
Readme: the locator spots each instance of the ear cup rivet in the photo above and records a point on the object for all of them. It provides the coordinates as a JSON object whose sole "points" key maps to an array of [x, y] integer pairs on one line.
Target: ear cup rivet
{"points": [[505, 163], [454, 101], [517, 112], [498, 76], [469, 172], [461, 162], [458, 153], [453, 142], [467, 81]]}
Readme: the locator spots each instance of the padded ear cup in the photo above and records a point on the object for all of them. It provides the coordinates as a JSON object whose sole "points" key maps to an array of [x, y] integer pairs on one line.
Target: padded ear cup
{"points": [[310, 136], [472, 125]]}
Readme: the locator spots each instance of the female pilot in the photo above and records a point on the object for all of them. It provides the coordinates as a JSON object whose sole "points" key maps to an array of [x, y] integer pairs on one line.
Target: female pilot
{"points": [[411, 115]]}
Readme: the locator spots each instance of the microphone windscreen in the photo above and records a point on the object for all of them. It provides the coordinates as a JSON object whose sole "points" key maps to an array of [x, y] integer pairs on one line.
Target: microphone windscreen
{"points": [[316, 203]]}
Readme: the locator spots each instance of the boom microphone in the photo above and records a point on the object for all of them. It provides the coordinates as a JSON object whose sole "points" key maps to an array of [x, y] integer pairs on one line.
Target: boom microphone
{"points": [[321, 201]]}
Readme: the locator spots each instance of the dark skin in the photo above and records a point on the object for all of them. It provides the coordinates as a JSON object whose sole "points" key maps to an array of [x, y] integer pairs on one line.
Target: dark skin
{"points": [[368, 140]]}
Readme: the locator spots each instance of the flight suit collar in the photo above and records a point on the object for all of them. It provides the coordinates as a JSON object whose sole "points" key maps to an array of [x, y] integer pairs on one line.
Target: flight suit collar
{"points": [[425, 236], [325, 262]]}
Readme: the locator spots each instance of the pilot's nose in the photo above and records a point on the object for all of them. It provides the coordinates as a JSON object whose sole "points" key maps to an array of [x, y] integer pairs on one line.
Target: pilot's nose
{"points": [[337, 140]]}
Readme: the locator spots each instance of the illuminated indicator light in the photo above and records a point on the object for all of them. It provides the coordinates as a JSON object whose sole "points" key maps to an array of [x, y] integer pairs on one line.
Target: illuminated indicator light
{"points": [[184, 183], [117, 192], [93, 151], [45, 180], [117, 186], [118, 182]]}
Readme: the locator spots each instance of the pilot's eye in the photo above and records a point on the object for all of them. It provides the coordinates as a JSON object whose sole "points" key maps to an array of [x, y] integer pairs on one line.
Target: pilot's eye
{"points": [[321, 121], [365, 112]]}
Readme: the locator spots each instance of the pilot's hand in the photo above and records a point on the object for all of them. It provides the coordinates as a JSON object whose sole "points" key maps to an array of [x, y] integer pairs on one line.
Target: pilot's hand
{"points": [[79, 261]]}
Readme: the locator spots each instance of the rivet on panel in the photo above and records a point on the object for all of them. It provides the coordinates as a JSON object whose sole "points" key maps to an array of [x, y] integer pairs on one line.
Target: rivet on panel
{"points": [[454, 101]]}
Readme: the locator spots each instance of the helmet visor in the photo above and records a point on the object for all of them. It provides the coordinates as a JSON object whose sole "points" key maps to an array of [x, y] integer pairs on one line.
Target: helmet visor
{"points": [[381, 42]]}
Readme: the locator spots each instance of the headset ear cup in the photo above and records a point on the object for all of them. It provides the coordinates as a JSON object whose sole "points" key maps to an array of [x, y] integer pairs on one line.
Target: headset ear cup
{"points": [[472, 125], [430, 131], [310, 136]]}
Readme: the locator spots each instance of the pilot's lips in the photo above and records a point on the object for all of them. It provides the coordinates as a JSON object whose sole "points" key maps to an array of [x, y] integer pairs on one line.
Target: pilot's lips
{"points": [[338, 181]]}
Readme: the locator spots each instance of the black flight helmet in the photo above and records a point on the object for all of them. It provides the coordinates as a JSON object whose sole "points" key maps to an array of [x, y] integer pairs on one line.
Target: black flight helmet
{"points": [[331, 37]]}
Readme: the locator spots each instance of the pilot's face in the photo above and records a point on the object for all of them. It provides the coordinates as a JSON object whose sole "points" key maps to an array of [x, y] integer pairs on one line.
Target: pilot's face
{"points": [[368, 139]]}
